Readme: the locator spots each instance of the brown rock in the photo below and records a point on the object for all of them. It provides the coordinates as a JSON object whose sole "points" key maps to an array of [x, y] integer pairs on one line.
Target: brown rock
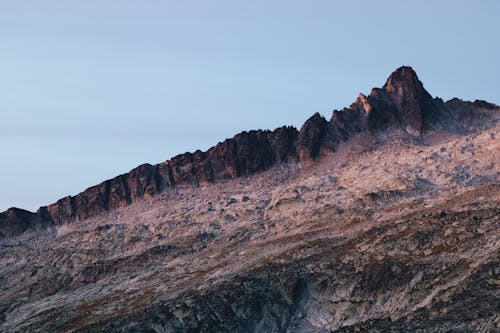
{"points": [[315, 135], [15, 221]]}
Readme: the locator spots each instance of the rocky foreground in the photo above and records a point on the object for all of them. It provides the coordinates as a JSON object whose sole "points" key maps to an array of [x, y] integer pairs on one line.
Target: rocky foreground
{"points": [[383, 219]]}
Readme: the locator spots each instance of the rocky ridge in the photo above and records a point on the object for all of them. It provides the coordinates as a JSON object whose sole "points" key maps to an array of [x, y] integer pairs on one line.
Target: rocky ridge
{"points": [[384, 219], [388, 234], [402, 103]]}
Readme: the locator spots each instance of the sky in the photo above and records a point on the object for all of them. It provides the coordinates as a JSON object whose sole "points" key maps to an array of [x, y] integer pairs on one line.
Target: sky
{"points": [[91, 89]]}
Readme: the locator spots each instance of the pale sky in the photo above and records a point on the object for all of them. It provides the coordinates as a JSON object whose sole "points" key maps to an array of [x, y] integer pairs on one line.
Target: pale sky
{"points": [[91, 89]]}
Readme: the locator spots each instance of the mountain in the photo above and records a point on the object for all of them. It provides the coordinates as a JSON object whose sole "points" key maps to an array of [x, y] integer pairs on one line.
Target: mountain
{"points": [[383, 218], [402, 103]]}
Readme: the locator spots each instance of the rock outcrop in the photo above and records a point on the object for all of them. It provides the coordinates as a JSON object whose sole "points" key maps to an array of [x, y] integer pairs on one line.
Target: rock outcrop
{"points": [[15, 221], [314, 136], [402, 103], [414, 105]]}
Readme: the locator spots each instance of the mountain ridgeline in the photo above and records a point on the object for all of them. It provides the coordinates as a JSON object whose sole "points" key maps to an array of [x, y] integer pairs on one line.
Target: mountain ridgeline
{"points": [[402, 103]]}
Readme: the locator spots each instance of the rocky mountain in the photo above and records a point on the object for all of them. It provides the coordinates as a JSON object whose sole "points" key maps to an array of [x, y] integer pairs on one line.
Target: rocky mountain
{"points": [[402, 103], [383, 218]]}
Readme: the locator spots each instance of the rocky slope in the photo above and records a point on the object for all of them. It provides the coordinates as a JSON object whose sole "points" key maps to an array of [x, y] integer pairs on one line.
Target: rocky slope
{"points": [[384, 218], [402, 103]]}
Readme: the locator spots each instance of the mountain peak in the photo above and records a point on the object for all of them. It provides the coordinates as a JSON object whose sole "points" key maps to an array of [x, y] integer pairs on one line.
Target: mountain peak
{"points": [[402, 74], [404, 81], [410, 98]]}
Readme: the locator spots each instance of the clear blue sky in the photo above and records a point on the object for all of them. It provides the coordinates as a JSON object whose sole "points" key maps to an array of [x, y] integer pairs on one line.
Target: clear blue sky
{"points": [[90, 89]]}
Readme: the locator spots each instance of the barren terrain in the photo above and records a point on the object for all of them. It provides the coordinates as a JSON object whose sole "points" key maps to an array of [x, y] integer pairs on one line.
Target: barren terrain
{"points": [[385, 218], [388, 233]]}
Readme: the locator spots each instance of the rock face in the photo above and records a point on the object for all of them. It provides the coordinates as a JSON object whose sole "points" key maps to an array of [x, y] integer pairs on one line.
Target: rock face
{"points": [[245, 154], [413, 103], [402, 103], [315, 135], [140, 183], [15, 221]]}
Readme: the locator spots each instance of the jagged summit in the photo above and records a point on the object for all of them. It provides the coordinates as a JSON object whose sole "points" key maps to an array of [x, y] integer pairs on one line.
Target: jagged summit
{"points": [[401, 104], [405, 78], [411, 99]]}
